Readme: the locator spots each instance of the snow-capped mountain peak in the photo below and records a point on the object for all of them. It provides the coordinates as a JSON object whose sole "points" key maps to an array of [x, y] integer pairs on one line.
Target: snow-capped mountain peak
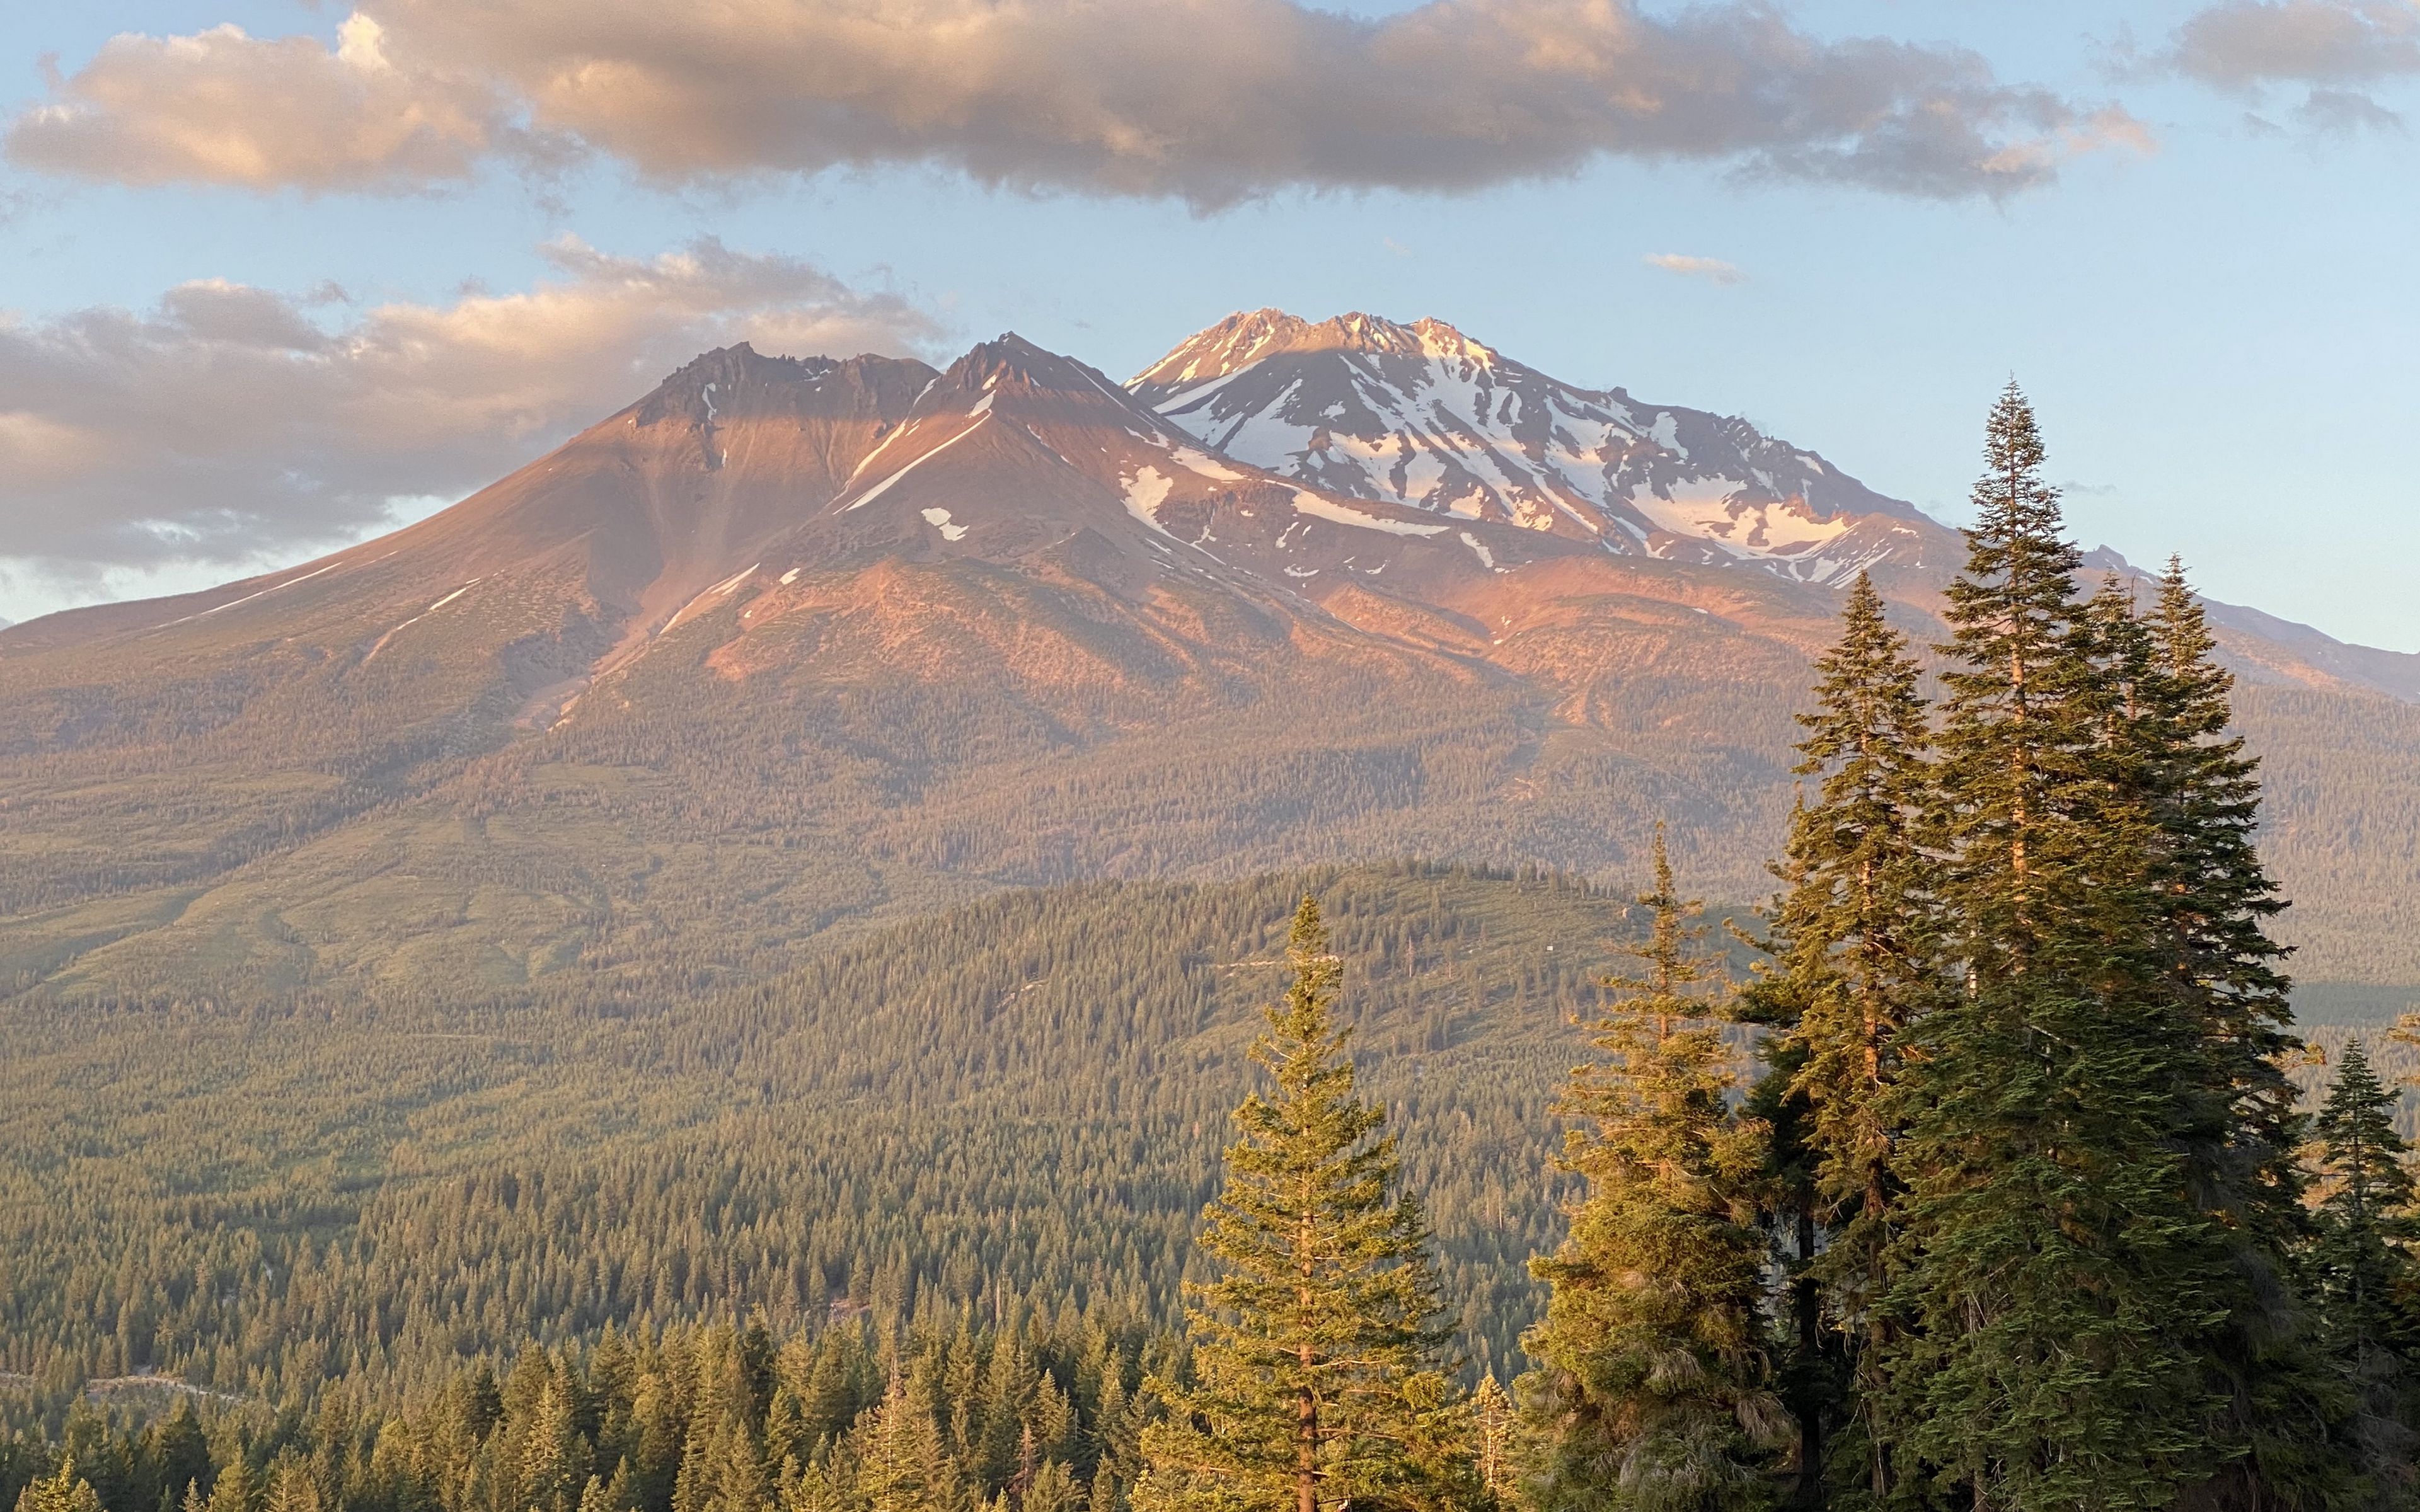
{"points": [[1423, 415], [1245, 338]]}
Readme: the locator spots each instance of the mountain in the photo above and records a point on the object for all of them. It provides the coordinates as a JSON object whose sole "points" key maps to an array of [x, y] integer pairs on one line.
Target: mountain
{"points": [[792, 647], [1422, 415]]}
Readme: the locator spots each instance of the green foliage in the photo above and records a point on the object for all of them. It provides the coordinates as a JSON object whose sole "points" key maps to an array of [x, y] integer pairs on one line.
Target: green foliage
{"points": [[1017, 1099], [2360, 1267], [2055, 1282], [1854, 966], [66, 1491], [1037, 1414], [2168, 738], [1318, 1374], [1653, 1388]]}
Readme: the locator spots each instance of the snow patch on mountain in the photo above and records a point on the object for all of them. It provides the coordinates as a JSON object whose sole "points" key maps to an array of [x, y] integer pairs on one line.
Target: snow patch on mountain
{"points": [[1713, 510], [1327, 509], [884, 486], [1145, 493], [1423, 416]]}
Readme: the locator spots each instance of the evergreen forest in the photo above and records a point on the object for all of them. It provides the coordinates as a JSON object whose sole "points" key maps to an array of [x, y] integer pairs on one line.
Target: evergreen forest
{"points": [[1982, 1167]]}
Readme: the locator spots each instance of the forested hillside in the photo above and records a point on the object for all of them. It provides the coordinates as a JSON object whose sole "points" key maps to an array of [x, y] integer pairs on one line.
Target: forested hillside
{"points": [[1019, 1101]]}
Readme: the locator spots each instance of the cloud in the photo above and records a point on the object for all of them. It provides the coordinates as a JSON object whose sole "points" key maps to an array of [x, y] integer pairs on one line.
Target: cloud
{"points": [[2343, 112], [2245, 44], [221, 107], [2336, 48], [225, 426], [1713, 269], [1209, 102]]}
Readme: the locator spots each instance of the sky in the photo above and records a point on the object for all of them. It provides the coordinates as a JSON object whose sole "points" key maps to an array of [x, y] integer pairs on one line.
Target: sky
{"points": [[282, 274]]}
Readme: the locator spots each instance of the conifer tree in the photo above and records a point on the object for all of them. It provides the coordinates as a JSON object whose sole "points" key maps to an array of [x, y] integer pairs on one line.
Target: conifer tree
{"points": [[902, 1463], [554, 1462], [1495, 1417], [2218, 900], [290, 1485], [1316, 1349], [66, 1491], [2362, 1263], [2235, 1120], [237, 1489], [2056, 1285], [1853, 961], [1653, 1391]]}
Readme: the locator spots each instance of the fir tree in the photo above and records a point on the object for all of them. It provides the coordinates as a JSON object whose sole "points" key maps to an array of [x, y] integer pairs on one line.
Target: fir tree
{"points": [[2166, 708], [1318, 1374], [236, 1490], [902, 1463], [1493, 1415], [290, 1485], [554, 1462], [177, 1452], [2054, 1284], [2362, 1264], [1853, 966], [1653, 1388], [66, 1491]]}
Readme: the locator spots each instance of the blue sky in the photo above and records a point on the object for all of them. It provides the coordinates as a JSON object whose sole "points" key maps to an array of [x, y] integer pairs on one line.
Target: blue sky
{"points": [[2214, 307]]}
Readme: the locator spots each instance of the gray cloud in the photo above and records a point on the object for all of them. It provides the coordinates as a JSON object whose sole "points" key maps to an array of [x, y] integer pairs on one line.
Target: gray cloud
{"points": [[1210, 101], [225, 426], [2343, 112], [2245, 44]]}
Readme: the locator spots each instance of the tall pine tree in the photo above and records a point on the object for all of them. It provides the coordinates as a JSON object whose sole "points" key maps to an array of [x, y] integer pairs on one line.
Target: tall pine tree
{"points": [[1318, 1361], [1653, 1387], [2166, 711], [1855, 963], [2055, 1282], [2362, 1265]]}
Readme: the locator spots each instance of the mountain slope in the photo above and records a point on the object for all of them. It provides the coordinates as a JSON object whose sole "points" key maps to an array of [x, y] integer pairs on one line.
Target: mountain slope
{"points": [[792, 647]]}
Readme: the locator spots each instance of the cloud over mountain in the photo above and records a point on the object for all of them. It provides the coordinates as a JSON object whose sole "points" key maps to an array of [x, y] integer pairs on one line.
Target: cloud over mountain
{"points": [[1210, 101], [229, 425]]}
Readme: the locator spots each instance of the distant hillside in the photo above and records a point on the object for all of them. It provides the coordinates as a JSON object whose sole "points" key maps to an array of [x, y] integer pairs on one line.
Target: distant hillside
{"points": [[1023, 1096]]}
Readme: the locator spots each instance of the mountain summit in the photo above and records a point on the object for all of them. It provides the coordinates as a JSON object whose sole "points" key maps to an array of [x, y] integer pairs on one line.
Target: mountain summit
{"points": [[1425, 416]]}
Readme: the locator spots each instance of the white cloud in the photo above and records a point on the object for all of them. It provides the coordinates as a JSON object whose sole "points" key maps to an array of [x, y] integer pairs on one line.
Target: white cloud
{"points": [[1713, 269], [226, 425], [1206, 101], [222, 107]]}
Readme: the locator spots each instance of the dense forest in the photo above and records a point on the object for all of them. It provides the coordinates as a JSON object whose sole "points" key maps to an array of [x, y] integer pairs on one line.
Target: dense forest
{"points": [[1023, 1096], [1984, 1167]]}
